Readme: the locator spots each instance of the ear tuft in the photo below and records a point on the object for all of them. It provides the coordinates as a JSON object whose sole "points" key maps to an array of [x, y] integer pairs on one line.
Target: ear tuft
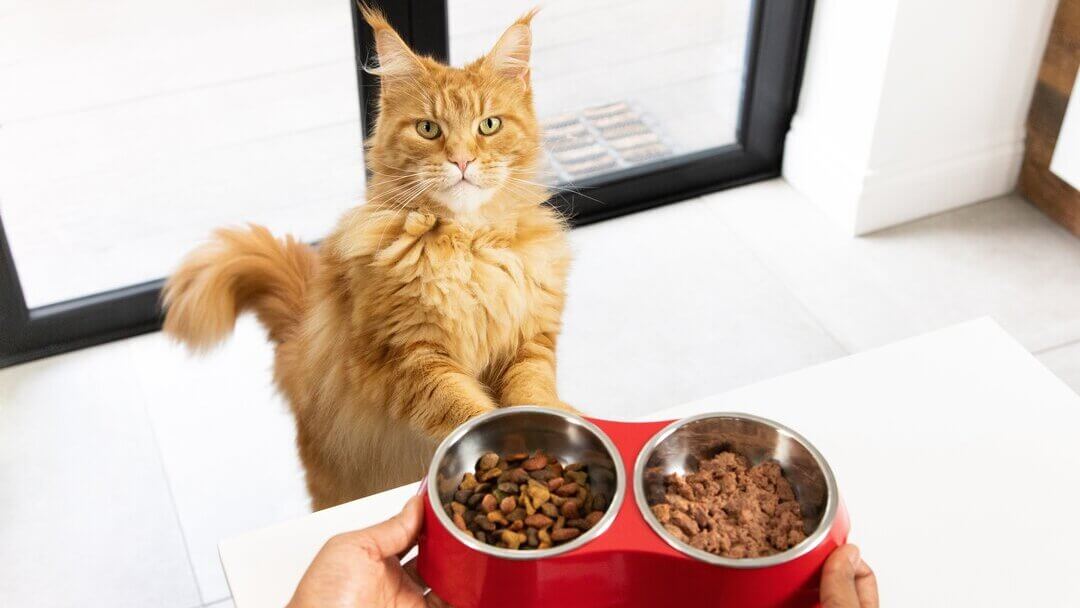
{"points": [[395, 58], [510, 56]]}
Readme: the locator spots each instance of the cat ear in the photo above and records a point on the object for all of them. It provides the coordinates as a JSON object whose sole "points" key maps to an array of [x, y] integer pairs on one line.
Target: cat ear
{"points": [[510, 57], [395, 57]]}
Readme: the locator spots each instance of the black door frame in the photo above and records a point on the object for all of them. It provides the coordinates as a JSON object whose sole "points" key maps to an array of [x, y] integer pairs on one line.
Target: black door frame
{"points": [[776, 48], [27, 334]]}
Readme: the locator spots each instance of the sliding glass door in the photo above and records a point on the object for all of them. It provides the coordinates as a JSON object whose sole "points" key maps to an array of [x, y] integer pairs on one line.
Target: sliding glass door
{"points": [[131, 128]]}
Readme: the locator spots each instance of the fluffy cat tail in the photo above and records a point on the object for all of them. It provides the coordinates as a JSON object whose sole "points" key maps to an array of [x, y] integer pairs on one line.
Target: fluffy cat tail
{"points": [[238, 270]]}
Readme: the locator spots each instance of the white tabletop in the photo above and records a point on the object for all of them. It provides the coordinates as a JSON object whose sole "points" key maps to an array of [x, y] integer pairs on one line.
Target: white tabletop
{"points": [[954, 451]]}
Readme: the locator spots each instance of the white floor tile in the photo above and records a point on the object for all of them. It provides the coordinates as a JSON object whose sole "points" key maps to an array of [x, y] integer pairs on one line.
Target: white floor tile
{"points": [[85, 513], [226, 439], [1000, 258], [1065, 362], [667, 306]]}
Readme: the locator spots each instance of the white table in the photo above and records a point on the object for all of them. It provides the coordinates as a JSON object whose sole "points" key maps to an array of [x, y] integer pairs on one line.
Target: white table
{"points": [[956, 452]]}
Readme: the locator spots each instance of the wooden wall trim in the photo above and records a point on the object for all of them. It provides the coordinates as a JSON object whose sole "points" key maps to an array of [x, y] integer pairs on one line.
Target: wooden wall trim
{"points": [[1047, 191]]}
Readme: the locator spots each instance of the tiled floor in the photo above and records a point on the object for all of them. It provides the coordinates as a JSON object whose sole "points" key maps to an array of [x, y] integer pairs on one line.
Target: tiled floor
{"points": [[121, 466]]}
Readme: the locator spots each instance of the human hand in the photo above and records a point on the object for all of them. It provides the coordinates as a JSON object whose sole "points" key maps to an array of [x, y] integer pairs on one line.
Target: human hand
{"points": [[847, 582], [363, 568]]}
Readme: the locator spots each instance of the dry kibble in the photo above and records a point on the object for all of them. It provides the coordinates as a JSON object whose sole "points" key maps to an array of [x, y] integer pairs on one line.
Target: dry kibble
{"points": [[538, 492], [544, 475], [468, 482], [508, 504], [538, 521], [564, 534], [535, 463], [482, 522], [568, 489], [487, 461], [570, 509], [521, 501], [577, 476], [513, 539]]}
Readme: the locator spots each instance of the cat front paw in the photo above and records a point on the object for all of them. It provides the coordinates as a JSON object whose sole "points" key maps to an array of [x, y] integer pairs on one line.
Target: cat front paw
{"points": [[417, 223]]}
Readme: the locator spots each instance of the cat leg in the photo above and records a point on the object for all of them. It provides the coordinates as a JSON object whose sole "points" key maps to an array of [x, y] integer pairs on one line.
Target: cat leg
{"points": [[530, 378], [435, 395]]}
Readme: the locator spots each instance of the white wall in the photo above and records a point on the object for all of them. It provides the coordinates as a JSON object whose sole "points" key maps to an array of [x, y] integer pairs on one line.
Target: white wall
{"points": [[913, 107]]}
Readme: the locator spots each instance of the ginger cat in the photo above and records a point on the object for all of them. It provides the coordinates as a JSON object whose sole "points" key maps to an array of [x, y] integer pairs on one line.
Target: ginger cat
{"points": [[436, 301]]}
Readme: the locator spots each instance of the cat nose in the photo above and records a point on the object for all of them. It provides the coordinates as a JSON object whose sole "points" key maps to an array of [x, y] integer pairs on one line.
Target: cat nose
{"points": [[463, 164]]}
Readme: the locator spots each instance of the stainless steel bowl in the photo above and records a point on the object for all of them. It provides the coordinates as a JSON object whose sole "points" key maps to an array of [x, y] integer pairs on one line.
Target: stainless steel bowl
{"points": [[558, 433], [679, 447]]}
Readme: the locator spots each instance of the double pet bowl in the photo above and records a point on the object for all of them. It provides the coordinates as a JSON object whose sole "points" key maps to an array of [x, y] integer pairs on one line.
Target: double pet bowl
{"points": [[628, 558]]}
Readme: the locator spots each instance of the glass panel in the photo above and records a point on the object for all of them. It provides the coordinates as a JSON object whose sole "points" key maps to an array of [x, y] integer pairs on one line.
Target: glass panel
{"points": [[621, 83], [131, 128]]}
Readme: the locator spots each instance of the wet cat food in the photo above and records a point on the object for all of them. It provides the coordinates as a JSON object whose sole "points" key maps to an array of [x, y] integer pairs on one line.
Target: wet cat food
{"points": [[732, 509], [525, 501]]}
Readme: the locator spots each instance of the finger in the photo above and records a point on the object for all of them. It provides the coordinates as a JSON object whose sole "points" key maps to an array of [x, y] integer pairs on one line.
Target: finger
{"points": [[410, 569], [866, 586], [397, 534], [411, 580], [434, 601], [838, 579]]}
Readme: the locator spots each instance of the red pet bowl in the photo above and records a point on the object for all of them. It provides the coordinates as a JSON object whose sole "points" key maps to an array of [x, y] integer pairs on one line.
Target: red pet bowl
{"points": [[628, 559]]}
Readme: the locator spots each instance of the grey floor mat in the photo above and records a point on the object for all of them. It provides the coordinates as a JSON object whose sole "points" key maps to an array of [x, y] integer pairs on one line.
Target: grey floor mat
{"points": [[600, 139]]}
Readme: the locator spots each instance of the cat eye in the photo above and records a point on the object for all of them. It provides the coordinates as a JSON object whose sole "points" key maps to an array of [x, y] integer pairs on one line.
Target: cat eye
{"points": [[490, 125], [428, 129]]}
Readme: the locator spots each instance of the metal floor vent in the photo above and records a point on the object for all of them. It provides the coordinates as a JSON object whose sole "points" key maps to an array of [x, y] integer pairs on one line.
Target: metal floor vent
{"points": [[600, 139]]}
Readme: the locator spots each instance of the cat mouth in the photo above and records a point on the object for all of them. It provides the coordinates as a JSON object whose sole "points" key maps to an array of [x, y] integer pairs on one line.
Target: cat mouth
{"points": [[463, 183]]}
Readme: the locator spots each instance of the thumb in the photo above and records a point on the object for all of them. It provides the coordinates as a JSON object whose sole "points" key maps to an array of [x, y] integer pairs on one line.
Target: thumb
{"points": [[838, 579], [397, 534]]}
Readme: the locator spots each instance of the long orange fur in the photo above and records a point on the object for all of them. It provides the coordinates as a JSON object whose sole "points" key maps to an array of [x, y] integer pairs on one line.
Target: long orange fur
{"points": [[428, 305]]}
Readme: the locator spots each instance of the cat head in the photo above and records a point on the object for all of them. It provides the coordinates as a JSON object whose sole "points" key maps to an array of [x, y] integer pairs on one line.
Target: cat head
{"points": [[453, 136]]}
